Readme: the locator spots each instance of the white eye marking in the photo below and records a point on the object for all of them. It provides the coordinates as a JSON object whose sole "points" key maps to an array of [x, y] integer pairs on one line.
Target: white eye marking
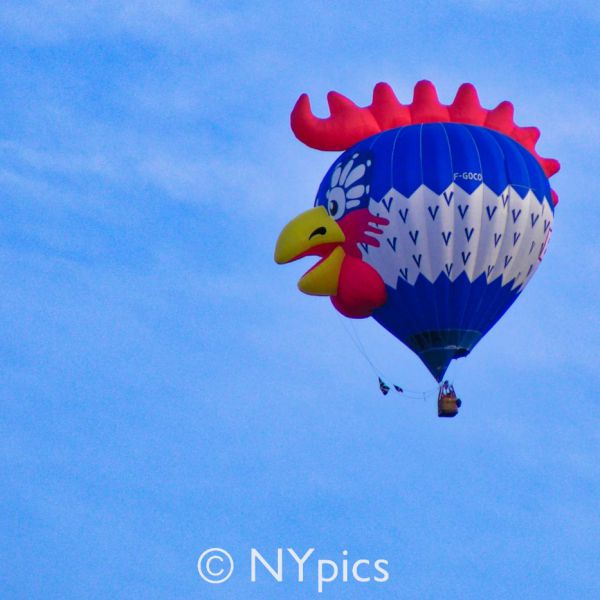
{"points": [[336, 176], [355, 175], [345, 172], [345, 190], [356, 192]]}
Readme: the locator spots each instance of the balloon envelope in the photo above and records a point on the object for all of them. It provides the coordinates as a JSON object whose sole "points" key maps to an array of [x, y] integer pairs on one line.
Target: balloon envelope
{"points": [[470, 213]]}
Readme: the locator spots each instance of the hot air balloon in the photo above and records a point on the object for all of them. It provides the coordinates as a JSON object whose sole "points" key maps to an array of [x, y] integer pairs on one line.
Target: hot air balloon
{"points": [[432, 220]]}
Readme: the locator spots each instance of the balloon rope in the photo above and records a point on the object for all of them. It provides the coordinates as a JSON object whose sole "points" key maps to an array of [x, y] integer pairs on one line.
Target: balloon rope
{"points": [[353, 335], [359, 346]]}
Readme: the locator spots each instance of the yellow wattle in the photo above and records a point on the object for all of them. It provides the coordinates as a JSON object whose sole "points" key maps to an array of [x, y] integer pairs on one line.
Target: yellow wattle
{"points": [[323, 279]]}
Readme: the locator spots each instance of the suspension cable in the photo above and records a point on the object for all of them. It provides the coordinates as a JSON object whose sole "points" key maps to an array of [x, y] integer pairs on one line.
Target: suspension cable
{"points": [[354, 336]]}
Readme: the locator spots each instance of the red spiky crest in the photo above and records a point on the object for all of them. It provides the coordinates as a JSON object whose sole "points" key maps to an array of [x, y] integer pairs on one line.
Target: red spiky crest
{"points": [[348, 123]]}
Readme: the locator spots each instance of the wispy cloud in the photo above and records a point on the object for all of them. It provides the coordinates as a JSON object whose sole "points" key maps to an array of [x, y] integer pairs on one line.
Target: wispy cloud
{"points": [[162, 378], [54, 22], [510, 7]]}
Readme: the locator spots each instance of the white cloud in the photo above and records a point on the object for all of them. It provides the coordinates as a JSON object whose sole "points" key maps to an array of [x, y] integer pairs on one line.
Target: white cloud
{"points": [[55, 22], [512, 7]]}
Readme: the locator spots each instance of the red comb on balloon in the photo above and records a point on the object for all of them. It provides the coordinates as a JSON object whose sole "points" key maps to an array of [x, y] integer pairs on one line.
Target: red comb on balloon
{"points": [[349, 123]]}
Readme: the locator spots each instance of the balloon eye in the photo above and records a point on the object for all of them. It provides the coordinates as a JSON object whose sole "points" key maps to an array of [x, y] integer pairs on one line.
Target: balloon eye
{"points": [[336, 203]]}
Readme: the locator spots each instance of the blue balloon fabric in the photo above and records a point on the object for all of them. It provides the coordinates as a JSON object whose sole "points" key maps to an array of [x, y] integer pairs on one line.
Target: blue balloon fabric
{"points": [[470, 213]]}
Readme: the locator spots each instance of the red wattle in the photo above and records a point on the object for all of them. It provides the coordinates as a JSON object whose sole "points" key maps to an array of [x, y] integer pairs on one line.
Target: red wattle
{"points": [[360, 289], [358, 227]]}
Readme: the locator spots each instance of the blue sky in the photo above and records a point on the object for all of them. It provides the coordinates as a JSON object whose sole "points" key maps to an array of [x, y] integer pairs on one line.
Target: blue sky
{"points": [[164, 387]]}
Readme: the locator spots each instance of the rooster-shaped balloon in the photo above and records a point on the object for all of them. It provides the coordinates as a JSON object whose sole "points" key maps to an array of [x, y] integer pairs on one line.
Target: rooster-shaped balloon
{"points": [[432, 221]]}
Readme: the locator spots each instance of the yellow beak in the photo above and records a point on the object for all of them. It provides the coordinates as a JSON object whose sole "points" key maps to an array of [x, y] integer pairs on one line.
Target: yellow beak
{"points": [[314, 232]]}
